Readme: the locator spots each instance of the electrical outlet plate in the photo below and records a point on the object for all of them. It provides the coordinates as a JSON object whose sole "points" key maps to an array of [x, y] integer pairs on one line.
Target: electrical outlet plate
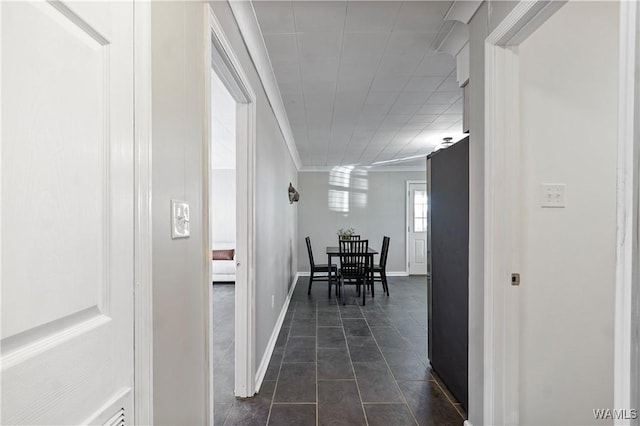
{"points": [[552, 195], [180, 218]]}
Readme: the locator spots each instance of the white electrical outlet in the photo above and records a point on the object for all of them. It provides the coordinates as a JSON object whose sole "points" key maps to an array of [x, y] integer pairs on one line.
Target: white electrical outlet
{"points": [[552, 195], [273, 301]]}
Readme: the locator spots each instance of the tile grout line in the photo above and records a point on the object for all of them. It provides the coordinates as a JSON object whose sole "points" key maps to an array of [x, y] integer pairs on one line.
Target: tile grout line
{"points": [[316, 351], [460, 412], [275, 387], [232, 403], [406, 403], [353, 370], [446, 395]]}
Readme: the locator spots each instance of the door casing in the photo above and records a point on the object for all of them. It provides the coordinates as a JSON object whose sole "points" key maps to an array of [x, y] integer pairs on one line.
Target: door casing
{"points": [[409, 215], [501, 317], [219, 56]]}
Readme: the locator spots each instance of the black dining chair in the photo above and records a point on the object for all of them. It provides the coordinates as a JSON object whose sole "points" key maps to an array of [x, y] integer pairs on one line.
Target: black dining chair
{"points": [[353, 265], [381, 269], [320, 268]]}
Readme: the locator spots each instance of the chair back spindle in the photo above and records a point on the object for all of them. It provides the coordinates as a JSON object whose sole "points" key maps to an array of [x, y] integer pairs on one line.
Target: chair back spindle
{"points": [[311, 262], [353, 258], [384, 252]]}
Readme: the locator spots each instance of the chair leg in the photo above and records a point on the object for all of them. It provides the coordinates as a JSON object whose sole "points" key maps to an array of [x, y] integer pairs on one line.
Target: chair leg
{"points": [[385, 284], [310, 282], [364, 291]]}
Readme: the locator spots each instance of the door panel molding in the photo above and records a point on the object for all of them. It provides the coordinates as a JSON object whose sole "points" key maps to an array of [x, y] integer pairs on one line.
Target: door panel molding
{"points": [[24, 346], [49, 174]]}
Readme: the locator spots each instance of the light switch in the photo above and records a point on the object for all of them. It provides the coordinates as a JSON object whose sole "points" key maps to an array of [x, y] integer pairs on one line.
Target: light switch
{"points": [[552, 195], [180, 218]]}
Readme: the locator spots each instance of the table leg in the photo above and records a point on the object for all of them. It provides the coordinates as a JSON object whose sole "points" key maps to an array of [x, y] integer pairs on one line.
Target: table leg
{"points": [[371, 275], [330, 273]]}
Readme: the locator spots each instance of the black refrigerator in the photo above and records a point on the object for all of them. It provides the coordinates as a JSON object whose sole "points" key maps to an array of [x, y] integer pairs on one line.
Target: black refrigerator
{"points": [[448, 284]]}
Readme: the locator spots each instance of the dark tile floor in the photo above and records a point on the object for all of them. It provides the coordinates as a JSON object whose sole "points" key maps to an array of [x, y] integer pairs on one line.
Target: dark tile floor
{"points": [[339, 364]]}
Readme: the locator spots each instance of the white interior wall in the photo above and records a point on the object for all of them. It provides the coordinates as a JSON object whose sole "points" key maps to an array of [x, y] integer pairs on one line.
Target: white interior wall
{"points": [[568, 130], [223, 125], [178, 268], [373, 203], [223, 164], [223, 208]]}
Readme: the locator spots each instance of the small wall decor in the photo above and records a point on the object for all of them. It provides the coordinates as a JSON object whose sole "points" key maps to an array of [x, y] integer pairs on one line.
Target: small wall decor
{"points": [[294, 196]]}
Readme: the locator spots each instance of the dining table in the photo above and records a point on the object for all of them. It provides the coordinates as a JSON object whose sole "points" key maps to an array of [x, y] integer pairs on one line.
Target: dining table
{"points": [[334, 251]]}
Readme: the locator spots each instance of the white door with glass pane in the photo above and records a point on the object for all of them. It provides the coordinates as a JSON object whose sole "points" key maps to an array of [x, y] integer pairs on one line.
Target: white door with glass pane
{"points": [[67, 212], [417, 228]]}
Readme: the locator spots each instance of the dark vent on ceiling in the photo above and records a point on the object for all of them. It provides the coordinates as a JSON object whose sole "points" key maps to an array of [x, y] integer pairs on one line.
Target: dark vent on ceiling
{"points": [[117, 419]]}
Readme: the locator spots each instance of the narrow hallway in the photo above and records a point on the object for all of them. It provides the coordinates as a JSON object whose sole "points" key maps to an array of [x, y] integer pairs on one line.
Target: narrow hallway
{"points": [[348, 365]]}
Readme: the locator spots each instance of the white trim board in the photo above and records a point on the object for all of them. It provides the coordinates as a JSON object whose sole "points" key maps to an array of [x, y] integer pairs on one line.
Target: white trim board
{"points": [[389, 274], [271, 345], [248, 24], [143, 244], [401, 274], [368, 169], [626, 362]]}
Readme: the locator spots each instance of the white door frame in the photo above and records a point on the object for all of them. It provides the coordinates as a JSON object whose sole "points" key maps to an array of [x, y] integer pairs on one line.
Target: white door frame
{"points": [[220, 56], [408, 221], [501, 227], [143, 292], [502, 150], [627, 309]]}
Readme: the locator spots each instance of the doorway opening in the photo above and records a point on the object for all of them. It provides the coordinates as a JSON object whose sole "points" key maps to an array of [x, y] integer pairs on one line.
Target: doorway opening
{"points": [[228, 203], [222, 237]]}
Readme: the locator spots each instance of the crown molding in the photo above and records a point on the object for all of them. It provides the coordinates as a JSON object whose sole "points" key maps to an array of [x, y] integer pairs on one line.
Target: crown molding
{"points": [[455, 40], [247, 21], [462, 11], [368, 169]]}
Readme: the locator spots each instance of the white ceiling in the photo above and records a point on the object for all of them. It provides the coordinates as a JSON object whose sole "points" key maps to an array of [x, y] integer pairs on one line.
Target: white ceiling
{"points": [[362, 82]]}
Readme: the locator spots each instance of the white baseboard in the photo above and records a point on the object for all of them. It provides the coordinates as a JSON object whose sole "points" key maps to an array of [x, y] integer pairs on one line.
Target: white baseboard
{"points": [[389, 274], [264, 364], [467, 423]]}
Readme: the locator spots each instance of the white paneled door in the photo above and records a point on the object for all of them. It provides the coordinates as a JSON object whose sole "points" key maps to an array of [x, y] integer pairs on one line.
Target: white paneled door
{"points": [[67, 212], [417, 228]]}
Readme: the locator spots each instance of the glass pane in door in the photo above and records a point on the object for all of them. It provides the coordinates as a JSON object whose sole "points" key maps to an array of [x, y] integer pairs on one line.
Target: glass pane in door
{"points": [[419, 211]]}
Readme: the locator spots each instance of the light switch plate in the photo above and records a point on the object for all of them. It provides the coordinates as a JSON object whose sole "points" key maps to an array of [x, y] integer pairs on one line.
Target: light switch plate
{"points": [[180, 217], [552, 195]]}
